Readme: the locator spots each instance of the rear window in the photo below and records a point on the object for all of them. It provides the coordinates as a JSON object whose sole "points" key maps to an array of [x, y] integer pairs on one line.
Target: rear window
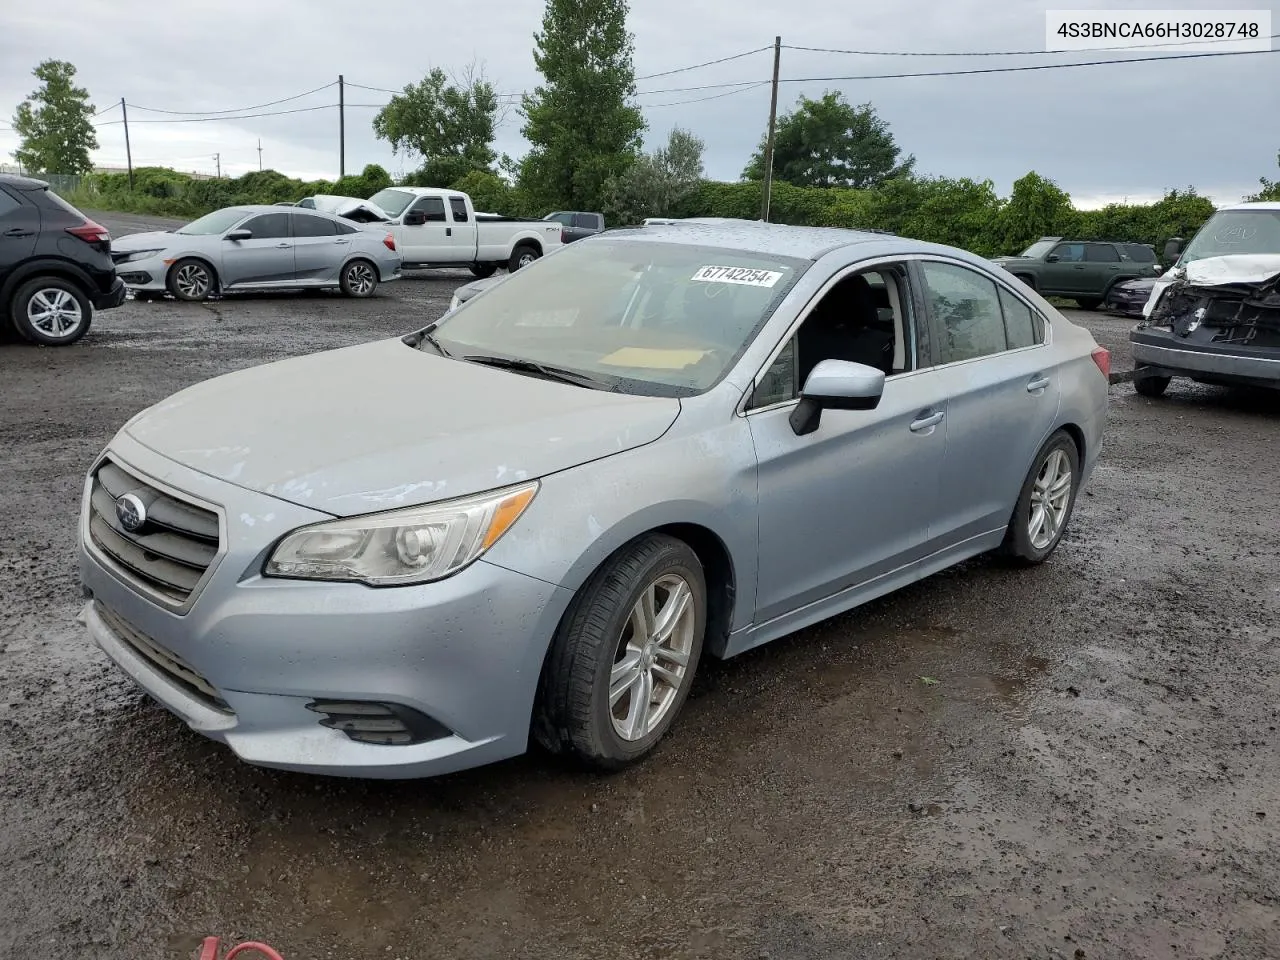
{"points": [[1139, 252], [57, 201]]}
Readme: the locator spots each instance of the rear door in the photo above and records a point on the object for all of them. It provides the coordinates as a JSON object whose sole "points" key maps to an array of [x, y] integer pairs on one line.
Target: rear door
{"points": [[462, 231], [1103, 266], [318, 249], [1002, 394], [19, 228], [265, 259]]}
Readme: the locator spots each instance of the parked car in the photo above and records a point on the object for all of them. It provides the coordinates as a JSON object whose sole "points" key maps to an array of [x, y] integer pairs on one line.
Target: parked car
{"points": [[534, 516], [1130, 296], [440, 228], [1214, 316], [469, 290], [577, 224], [55, 265], [1083, 271], [257, 247]]}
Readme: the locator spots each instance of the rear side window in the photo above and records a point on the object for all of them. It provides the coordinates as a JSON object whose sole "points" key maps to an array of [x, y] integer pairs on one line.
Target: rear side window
{"points": [[1140, 252], [1101, 253], [966, 306], [588, 221], [459, 208], [305, 225], [269, 226], [343, 228], [1020, 327], [7, 204]]}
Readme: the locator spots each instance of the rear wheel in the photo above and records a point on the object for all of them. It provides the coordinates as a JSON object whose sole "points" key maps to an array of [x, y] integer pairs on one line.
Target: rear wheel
{"points": [[51, 311], [1045, 503], [359, 279], [623, 659], [1151, 386], [483, 270], [190, 280], [1089, 303], [523, 255]]}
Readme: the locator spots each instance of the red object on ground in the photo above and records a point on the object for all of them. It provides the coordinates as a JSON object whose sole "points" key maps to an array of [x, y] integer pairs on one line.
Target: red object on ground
{"points": [[209, 951]]}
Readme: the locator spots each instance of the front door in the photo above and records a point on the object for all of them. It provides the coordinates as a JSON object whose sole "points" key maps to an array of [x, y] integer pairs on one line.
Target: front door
{"points": [[266, 258], [1067, 273], [426, 242]]}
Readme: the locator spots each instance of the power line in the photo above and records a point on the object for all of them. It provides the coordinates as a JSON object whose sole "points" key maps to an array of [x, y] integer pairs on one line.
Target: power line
{"points": [[394, 93], [707, 63], [105, 110], [714, 96], [256, 106], [245, 116], [1002, 53]]}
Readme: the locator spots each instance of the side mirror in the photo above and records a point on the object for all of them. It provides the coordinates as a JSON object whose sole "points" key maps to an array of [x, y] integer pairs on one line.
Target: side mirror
{"points": [[1051, 258], [836, 385], [415, 218], [241, 234], [1172, 249]]}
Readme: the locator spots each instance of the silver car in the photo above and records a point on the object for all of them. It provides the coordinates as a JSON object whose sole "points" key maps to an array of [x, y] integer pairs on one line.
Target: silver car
{"points": [[257, 248], [534, 517]]}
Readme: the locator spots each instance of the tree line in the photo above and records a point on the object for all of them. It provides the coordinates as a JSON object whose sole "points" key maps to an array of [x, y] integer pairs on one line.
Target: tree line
{"points": [[834, 163]]}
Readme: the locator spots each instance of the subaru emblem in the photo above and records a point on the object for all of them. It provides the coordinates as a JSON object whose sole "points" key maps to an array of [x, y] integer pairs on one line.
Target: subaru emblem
{"points": [[131, 512]]}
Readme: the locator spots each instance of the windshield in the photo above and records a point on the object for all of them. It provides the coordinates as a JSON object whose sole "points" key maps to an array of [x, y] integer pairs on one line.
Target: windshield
{"points": [[658, 319], [1235, 231], [392, 201], [219, 221], [1038, 249]]}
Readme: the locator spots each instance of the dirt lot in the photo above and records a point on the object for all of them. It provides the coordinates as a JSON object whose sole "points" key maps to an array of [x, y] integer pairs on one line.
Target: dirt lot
{"points": [[1095, 772]]}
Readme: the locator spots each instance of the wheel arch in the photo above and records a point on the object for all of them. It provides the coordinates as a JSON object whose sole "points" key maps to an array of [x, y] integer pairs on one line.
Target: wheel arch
{"points": [[203, 258], [358, 255], [42, 267]]}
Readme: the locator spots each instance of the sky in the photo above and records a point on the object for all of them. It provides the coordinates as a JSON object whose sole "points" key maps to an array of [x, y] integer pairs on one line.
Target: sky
{"points": [[1105, 133]]}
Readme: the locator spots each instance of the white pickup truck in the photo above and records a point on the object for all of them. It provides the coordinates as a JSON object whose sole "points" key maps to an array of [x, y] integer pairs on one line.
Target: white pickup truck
{"points": [[440, 228]]}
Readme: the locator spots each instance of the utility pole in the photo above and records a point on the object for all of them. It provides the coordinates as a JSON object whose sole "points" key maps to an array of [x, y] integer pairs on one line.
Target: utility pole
{"points": [[342, 130], [259, 154], [773, 122], [128, 152], [217, 158]]}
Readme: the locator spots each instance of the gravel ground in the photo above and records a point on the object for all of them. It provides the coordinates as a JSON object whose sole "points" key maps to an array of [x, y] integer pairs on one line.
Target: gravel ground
{"points": [[1095, 772]]}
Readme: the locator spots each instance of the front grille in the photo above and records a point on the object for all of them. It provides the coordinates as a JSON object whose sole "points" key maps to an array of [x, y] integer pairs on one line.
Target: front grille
{"points": [[170, 551], [170, 664]]}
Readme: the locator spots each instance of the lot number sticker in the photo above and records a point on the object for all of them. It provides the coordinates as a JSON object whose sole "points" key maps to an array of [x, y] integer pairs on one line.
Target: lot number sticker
{"points": [[747, 276]]}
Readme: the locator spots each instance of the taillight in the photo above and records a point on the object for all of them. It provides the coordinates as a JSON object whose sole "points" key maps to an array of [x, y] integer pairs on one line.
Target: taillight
{"points": [[1102, 357], [91, 232], [389, 241]]}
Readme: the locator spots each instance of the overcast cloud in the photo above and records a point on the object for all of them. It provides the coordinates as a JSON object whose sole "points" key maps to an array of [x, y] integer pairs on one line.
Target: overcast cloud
{"points": [[1103, 133]]}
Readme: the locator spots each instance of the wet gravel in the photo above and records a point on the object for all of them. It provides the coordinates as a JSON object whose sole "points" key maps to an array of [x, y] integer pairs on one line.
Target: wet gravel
{"points": [[1076, 761]]}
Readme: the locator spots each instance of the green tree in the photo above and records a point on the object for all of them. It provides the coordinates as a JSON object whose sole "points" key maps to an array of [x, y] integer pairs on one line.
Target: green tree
{"points": [[831, 143], [1037, 207], [448, 124], [657, 184], [1270, 188], [53, 123], [579, 123]]}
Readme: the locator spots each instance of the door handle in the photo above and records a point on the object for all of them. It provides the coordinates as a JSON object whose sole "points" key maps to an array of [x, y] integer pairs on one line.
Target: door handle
{"points": [[1037, 384], [927, 421], [282, 246], [342, 241], [1079, 266], [448, 231], [17, 232]]}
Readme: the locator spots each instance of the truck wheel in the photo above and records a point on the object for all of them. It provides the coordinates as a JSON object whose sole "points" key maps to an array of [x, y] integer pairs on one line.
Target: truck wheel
{"points": [[483, 270], [1150, 386], [51, 311], [622, 662], [1089, 303], [523, 255]]}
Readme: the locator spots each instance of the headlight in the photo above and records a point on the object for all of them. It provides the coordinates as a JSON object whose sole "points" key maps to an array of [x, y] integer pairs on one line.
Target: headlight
{"points": [[133, 255], [416, 545]]}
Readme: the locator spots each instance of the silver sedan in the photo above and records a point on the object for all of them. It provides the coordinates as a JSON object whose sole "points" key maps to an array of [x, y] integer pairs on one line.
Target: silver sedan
{"points": [[532, 518], [257, 248]]}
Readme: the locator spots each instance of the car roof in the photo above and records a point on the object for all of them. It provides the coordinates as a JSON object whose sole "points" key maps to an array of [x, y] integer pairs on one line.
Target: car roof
{"points": [[249, 208], [24, 184], [756, 236], [1253, 205]]}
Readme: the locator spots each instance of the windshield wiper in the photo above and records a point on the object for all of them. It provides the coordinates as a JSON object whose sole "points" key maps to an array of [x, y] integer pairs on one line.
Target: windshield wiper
{"points": [[426, 336], [541, 369]]}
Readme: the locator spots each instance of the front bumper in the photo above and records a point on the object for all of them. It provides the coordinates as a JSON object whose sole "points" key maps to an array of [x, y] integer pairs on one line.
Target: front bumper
{"points": [[465, 652], [143, 275], [1211, 362]]}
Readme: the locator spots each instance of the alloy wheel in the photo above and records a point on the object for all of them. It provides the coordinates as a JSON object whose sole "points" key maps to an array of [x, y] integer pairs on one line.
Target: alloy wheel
{"points": [[652, 661], [1050, 498], [54, 312]]}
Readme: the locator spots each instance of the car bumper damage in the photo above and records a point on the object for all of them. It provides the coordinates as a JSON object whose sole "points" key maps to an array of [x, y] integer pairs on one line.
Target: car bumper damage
{"points": [[1226, 333]]}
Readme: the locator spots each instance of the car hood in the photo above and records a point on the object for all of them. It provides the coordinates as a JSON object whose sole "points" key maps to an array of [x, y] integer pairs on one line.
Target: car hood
{"points": [[384, 425], [1233, 268], [350, 207], [152, 240]]}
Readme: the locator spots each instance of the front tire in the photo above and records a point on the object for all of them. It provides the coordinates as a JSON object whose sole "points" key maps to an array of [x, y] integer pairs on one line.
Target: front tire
{"points": [[622, 662], [483, 270], [1045, 503], [1089, 303], [51, 311], [359, 279], [523, 255], [1151, 386], [190, 280]]}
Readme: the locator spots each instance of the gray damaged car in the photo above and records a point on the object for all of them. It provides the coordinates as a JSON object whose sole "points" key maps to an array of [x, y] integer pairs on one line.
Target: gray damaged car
{"points": [[533, 518], [256, 247]]}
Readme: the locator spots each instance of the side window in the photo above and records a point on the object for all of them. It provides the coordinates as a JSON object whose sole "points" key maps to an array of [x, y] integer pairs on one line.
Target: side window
{"points": [[459, 208], [863, 318], [433, 207], [566, 219], [7, 205], [343, 228], [1020, 327], [587, 221], [1101, 253], [307, 203], [269, 226], [966, 306], [1069, 252], [305, 225]]}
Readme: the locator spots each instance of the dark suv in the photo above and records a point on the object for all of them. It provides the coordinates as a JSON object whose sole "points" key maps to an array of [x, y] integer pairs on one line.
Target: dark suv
{"points": [[1080, 270], [55, 264]]}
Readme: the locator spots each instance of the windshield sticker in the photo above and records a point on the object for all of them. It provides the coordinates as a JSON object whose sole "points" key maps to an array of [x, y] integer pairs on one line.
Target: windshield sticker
{"points": [[747, 276], [650, 358]]}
